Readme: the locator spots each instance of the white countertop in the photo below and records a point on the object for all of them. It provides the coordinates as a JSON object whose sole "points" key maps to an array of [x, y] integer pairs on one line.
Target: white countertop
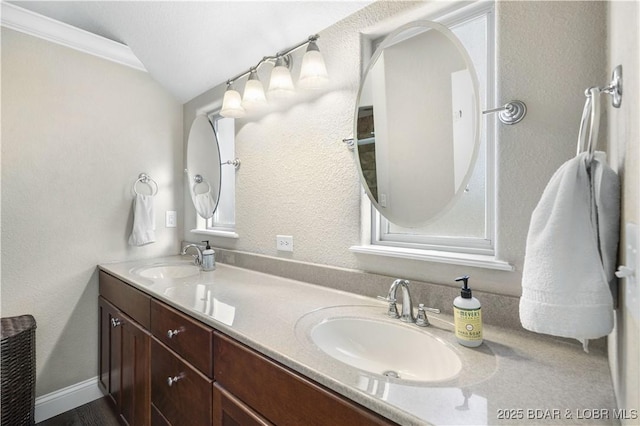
{"points": [[513, 377]]}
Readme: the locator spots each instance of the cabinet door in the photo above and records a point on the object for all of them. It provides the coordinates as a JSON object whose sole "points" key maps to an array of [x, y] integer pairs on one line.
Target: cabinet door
{"points": [[135, 383], [230, 411], [124, 364], [110, 349]]}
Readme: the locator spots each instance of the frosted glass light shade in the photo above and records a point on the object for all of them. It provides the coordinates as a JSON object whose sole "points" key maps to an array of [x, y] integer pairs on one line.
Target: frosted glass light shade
{"points": [[253, 97], [232, 104], [313, 72], [281, 84]]}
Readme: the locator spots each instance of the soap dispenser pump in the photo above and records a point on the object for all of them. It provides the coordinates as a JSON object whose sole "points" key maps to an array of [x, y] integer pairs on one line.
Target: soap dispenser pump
{"points": [[467, 316], [208, 258]]}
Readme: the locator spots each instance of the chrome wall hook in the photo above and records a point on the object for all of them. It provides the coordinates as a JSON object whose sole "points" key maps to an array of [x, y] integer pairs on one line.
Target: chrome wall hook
{"points": [[510, 113]]}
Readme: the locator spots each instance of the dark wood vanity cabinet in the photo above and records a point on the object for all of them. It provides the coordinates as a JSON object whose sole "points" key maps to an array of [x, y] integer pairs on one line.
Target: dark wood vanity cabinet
{"points": [[230, 411], [124, 364], [161, 367], [181, 393], [279, 394]]}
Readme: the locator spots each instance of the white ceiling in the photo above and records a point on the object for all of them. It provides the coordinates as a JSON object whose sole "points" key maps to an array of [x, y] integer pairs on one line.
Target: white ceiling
{"points": [[192, 46]]}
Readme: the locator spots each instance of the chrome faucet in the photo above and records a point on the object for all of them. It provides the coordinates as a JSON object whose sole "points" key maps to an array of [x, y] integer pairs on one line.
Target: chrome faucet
{"points": [[407, 305], [197, 258]]}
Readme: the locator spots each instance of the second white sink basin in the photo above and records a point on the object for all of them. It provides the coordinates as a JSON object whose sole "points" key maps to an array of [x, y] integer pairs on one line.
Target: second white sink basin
{"points": [[167, 271], [398, 351]]}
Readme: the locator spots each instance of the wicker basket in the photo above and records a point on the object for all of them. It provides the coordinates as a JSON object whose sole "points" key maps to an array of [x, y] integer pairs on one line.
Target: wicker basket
{"points": [[18, 370]]}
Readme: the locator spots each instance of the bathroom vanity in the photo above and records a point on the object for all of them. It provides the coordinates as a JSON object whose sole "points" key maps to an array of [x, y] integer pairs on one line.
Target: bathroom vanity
{"points": [[235, 346]]}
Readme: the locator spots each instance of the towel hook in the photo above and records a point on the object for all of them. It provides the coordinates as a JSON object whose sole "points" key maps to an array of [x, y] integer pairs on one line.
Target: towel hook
{"points": [[145, 178]]}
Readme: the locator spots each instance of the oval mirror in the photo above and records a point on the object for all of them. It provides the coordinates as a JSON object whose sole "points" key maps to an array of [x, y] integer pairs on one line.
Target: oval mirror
{"points": [[417, 123], [203, 166]]}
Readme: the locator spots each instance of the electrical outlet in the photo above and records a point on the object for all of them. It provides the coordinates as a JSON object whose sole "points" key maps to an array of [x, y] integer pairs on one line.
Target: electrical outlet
{"points": [[171, 220], [284, 242]]}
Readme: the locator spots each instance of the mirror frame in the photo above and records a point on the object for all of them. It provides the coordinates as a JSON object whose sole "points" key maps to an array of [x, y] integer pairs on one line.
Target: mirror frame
{"points": [[391, 39], [211, 171]]}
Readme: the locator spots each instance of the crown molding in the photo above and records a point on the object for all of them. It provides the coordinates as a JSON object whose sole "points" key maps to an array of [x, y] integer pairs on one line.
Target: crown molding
{"points": [[25, 21]]}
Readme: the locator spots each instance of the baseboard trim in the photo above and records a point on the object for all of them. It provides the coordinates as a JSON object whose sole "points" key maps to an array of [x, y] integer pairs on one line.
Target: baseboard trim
{"points": [[66, 399]]}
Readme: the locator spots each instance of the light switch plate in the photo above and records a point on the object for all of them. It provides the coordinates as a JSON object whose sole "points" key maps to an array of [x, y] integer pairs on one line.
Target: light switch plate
{"points": [[171, 219]]}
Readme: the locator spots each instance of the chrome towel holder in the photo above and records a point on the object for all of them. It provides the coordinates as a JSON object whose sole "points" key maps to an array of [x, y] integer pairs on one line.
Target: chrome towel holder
{"points": [[590, 122], [145, 178], [510, 113]]}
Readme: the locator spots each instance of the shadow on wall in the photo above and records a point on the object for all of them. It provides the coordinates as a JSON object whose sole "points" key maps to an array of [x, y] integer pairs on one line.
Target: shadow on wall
{"points": [[76, 339]]}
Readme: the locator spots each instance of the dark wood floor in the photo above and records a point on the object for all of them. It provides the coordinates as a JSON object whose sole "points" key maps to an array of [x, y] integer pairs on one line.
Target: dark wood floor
{"points": [[96, 413]]}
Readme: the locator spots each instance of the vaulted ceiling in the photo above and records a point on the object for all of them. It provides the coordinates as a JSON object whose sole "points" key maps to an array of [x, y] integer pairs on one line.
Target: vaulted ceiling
{"points": [[192, 46]]}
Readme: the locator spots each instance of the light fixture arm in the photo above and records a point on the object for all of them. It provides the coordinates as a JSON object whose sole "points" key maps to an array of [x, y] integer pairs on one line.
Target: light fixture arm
{"points": [[310, 39]]}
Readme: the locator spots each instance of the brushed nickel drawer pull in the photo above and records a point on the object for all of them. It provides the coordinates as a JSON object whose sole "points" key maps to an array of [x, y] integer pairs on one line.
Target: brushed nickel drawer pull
{"points": [[171, 333], [174, 379], [115, 322]]}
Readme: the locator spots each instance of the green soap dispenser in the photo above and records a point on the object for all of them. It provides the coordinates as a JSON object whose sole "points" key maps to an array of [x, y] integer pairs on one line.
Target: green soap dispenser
{"points": [[467, 316]]}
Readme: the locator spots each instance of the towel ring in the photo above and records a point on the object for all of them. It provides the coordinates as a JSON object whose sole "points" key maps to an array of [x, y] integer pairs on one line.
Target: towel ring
{"points": [[198, 179], [145, 178], [590, 121]]}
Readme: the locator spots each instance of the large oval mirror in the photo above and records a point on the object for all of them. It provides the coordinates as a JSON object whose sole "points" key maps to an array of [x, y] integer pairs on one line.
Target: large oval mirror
{"points": [[417, 123], [203, 166]]}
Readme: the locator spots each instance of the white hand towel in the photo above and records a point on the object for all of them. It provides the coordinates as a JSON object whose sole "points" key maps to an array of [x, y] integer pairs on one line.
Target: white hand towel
{"points": [[606, 194], [564, 286], [205, 204], [143, 221]]}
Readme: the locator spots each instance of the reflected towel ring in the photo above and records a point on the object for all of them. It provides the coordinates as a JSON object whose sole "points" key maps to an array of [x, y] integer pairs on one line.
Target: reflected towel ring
{"points": [[198, 179], [145, 178]]}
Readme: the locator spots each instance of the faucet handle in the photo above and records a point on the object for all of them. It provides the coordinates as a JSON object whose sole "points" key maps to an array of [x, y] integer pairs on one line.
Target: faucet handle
{"points": [[393, 309], [422, 320]]}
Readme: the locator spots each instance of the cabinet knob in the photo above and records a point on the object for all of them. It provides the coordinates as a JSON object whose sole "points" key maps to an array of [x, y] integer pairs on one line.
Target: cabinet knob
{"points": [[172, 333], [174, 379], [115, 322]]}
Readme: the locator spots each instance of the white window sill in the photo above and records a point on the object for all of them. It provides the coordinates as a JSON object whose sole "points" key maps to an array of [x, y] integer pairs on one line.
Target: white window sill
{"points": [[452, 258], [216, 233]]}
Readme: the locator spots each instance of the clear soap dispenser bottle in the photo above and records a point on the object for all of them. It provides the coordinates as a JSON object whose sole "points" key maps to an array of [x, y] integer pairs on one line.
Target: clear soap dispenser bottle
{"points": [[208, 258], [467, 316]]}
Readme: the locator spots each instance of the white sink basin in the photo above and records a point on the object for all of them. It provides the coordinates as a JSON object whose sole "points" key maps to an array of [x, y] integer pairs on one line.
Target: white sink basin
{"points": [[167, 271], [393, 350]]}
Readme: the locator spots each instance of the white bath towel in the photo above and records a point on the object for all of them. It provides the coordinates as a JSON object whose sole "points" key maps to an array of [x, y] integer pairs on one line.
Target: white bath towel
{"points": [[205, 204], [143, 221], [565, 289]]}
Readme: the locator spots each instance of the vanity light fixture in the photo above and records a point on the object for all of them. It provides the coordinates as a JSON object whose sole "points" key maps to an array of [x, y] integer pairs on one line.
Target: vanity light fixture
{"points": [[281, 83], [253, 97], [232, 103], [313, 72], [313, 75]]}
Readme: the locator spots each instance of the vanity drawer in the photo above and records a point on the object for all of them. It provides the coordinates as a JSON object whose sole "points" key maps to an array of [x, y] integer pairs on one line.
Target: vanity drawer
{"points": [[282, 396], [129, 300], [187, 400], [193, 340]]}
